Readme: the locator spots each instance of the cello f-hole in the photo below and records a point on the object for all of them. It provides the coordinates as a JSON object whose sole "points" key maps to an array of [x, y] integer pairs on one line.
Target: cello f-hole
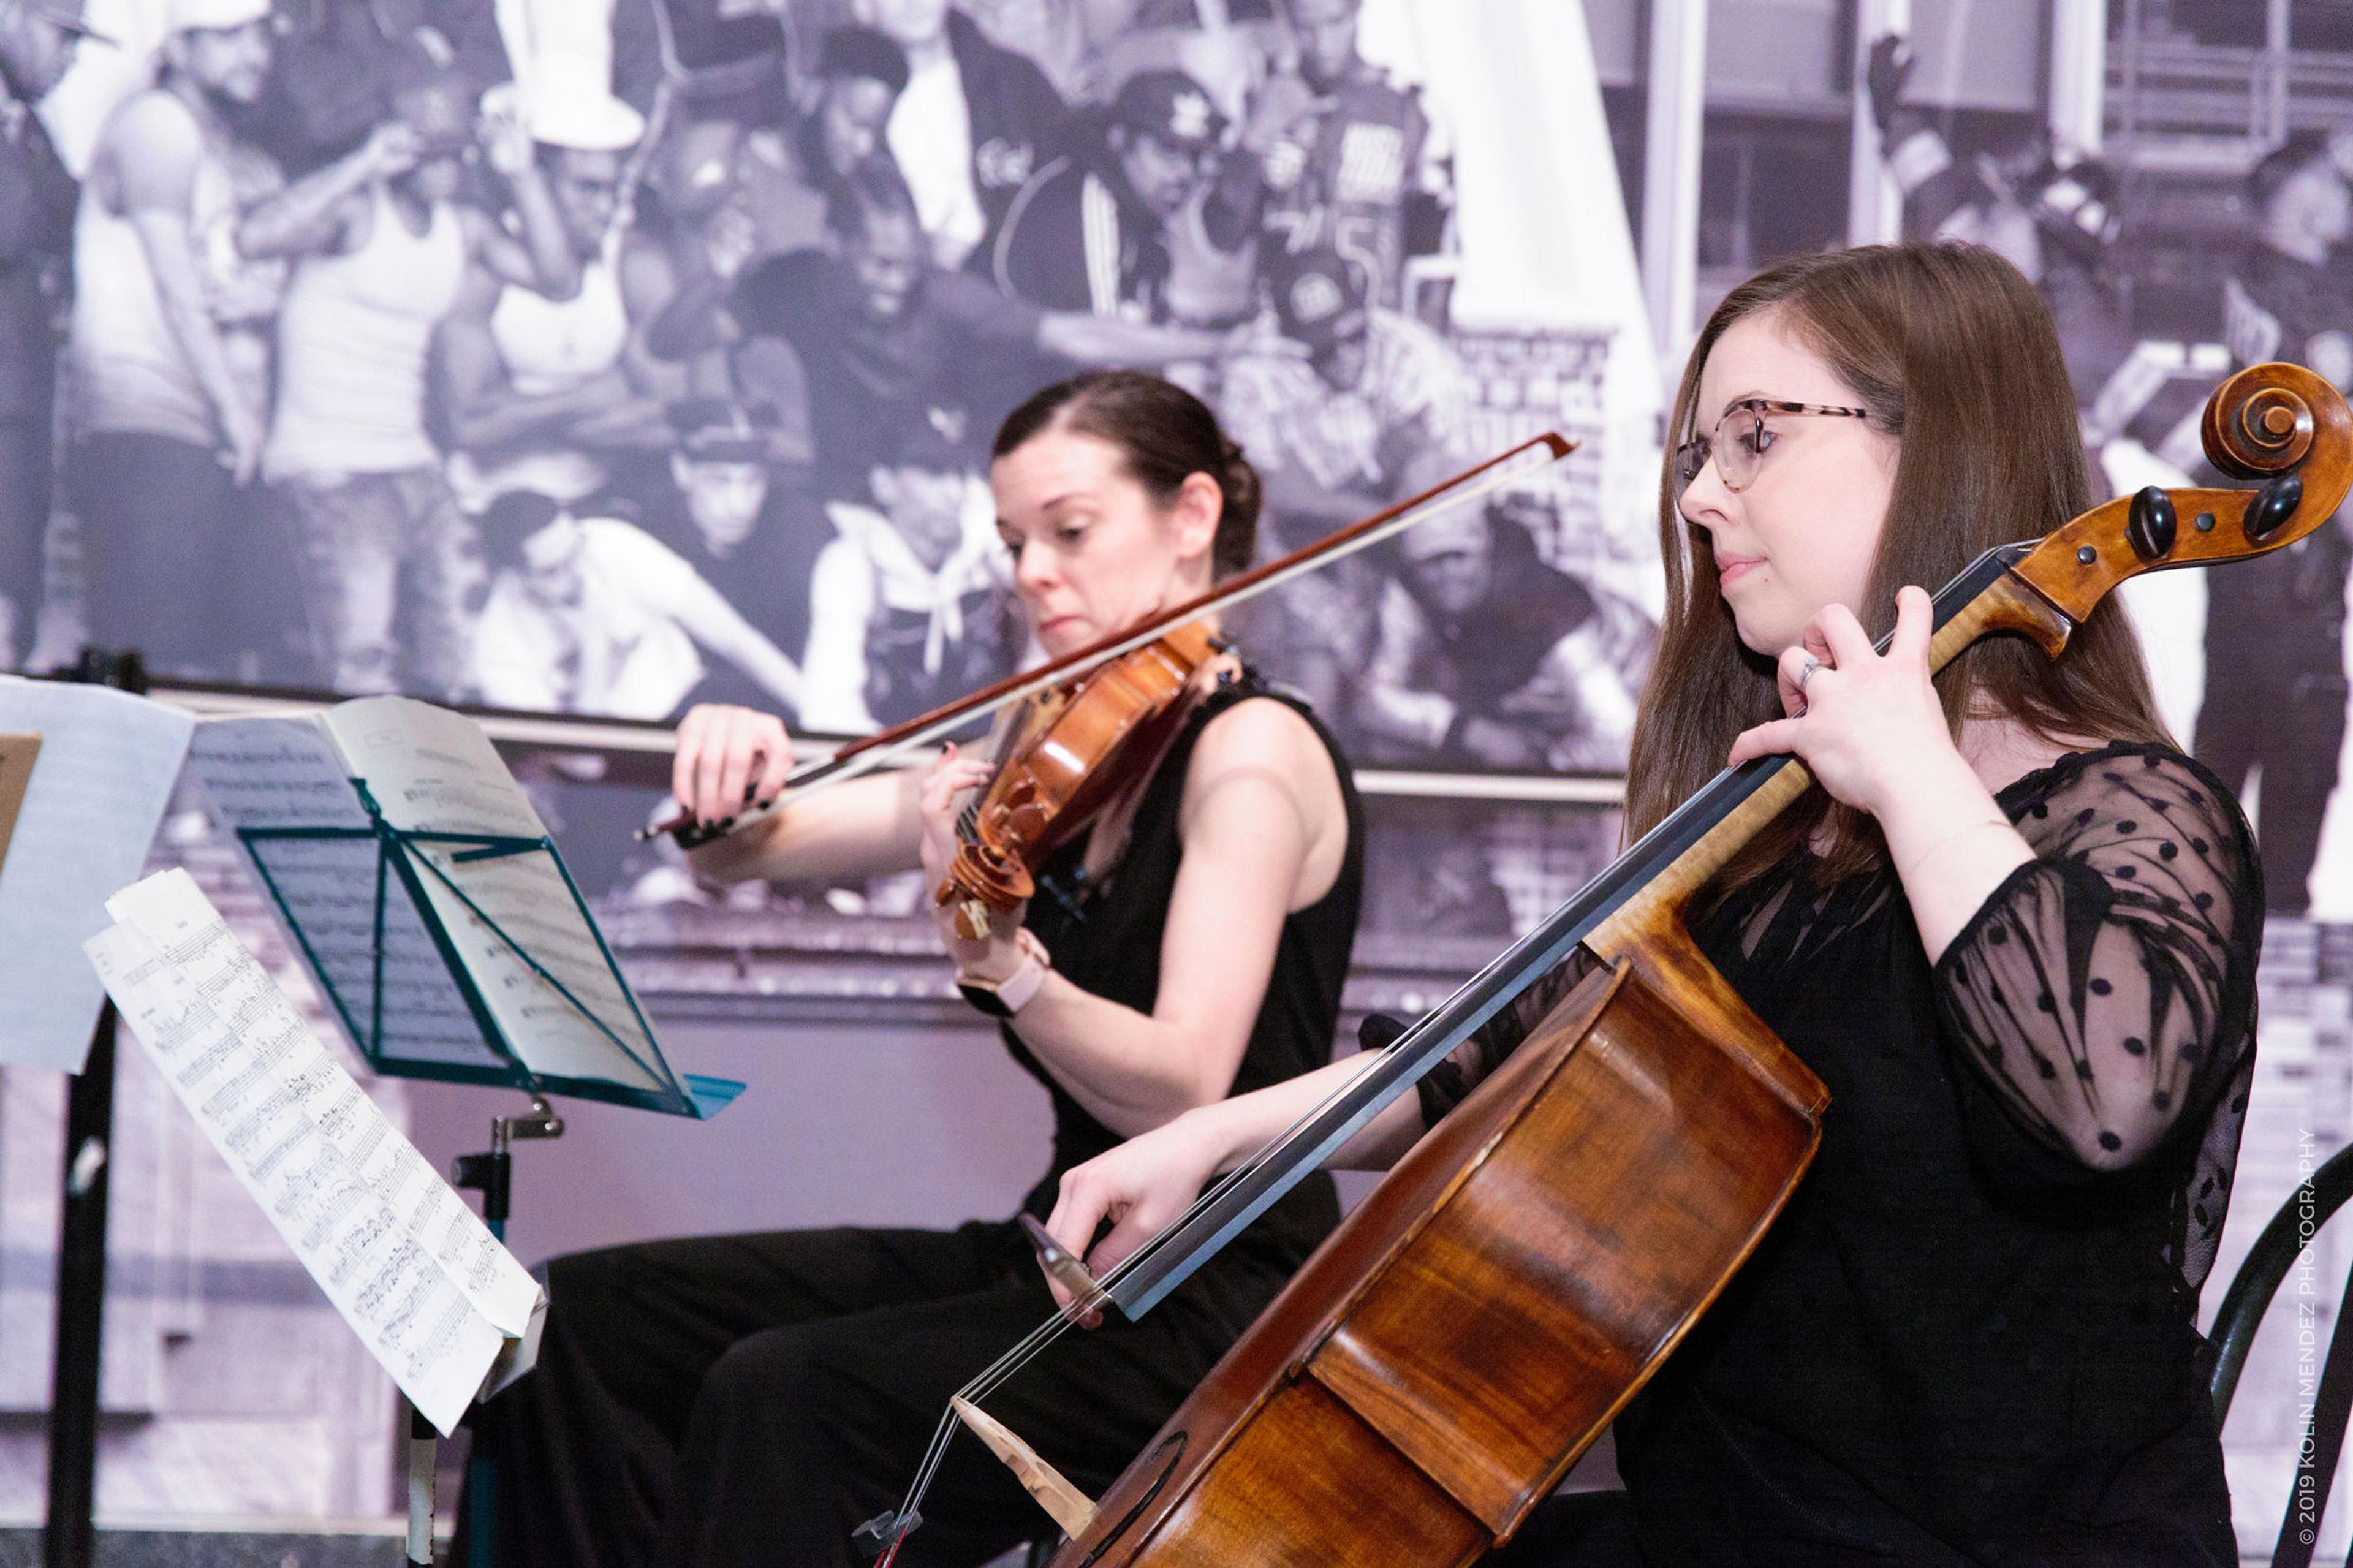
{"points": [[1174, 1445]]}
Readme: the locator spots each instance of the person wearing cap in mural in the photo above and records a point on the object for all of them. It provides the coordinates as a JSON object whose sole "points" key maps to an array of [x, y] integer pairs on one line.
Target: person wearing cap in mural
{"points": [[785, 174], [1344, 157], [738, 178], [974, 123], [171, 383], [593, 615], [743, 516], [1347, 407], [2276, 688], [849, 339], [1090, 231], [540, 387], [911, 605], [38, 39], [381, 246], [1487, 656]]}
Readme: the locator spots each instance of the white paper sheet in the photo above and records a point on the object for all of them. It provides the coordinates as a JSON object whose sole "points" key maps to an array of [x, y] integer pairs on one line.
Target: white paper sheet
{"points": [[108, 762], [436, 1300]]}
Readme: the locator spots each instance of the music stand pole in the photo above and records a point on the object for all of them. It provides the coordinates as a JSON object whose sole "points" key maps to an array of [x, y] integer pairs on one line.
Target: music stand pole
{"points": [[68, 1540], [69, 1535], [491, 1174]]}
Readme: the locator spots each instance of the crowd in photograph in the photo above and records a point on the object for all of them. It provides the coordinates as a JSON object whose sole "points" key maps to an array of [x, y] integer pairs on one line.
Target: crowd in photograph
{"points": [[609, 359]]}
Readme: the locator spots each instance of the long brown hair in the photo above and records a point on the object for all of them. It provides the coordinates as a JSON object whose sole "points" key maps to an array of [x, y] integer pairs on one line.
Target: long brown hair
{"points": [[1953, 354]]}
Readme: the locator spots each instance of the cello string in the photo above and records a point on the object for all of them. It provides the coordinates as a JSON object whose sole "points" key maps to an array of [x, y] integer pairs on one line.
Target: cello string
{"points": [[982, 1386]]}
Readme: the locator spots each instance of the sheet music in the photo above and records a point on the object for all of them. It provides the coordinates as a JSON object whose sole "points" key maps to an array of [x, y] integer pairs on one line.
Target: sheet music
{"points": [[436, 1300], [104, 775], [434, 771], [286, 772]]}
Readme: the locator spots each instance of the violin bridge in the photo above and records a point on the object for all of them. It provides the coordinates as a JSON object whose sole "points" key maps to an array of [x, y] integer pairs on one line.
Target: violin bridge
{"points": [[1071, 1508]]}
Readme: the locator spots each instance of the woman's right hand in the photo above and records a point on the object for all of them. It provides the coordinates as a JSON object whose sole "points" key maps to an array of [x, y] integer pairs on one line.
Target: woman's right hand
{"points": [[1139, 1187], [728, 758]]}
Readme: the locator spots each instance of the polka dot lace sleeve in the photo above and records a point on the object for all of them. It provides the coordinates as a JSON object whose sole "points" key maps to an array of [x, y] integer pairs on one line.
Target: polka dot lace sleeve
{"points": [[2105, 991]]}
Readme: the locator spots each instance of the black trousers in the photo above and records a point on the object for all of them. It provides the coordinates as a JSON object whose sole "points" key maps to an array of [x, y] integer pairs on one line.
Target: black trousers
{"points": [[2289, 724], [753, 1399]]}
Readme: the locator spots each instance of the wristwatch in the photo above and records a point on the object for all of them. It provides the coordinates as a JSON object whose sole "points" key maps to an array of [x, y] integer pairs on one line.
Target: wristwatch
{"points": [[1005, 997]]}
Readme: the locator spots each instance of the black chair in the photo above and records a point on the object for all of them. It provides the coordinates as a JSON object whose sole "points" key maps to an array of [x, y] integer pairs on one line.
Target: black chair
{"points": [[2242, 1313]]}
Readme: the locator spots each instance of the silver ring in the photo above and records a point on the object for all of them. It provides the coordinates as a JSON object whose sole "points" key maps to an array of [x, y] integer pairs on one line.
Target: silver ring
{"points": [[1812, 664]]}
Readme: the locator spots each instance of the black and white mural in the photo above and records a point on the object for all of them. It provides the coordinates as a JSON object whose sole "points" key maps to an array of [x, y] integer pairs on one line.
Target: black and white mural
{"points": [[605, 358]]}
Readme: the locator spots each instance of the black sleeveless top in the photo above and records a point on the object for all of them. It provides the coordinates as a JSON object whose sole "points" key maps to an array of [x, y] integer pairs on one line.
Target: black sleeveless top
{"points": [[1106, 938]]}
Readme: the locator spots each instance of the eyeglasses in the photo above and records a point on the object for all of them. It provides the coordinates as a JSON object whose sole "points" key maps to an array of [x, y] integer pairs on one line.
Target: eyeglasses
{"points": [[1741, 440]]}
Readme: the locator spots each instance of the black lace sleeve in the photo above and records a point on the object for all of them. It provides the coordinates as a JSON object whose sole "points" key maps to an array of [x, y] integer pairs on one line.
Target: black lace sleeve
{"points": [[2106, 992]]}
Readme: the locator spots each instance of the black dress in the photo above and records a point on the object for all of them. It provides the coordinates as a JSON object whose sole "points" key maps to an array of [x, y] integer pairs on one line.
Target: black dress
{"points": [[751, 1399], [1971, 1337]]}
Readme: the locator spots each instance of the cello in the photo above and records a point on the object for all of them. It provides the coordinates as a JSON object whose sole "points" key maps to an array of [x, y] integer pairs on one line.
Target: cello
{"points": [[1436, 1367]]}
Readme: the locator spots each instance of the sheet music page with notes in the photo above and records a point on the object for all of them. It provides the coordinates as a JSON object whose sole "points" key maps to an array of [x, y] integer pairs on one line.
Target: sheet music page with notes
{"points": [[287, 772], [93, 798], [432, 770], [436, 1300]]}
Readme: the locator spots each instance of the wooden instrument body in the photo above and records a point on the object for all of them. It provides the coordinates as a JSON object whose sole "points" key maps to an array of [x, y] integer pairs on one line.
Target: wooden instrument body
{"points": [[1075, 748], [1467, 1332]]}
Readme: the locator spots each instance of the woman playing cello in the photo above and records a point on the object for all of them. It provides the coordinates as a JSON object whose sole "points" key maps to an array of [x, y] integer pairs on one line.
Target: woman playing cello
{"points": [[2014, 934], [754, 1398]]}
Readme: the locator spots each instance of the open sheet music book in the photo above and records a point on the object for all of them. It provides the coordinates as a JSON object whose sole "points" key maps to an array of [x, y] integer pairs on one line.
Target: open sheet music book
{"points": [[424, 896], [432, 1294]]}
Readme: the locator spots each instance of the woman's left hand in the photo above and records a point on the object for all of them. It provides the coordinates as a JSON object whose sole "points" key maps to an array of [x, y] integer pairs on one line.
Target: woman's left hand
{"points": [[946, 787], [1868, 726]]}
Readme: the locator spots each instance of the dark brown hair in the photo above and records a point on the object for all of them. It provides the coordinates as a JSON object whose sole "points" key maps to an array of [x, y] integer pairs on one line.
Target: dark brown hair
{"points": [[1953, 353], [1165, 434]]}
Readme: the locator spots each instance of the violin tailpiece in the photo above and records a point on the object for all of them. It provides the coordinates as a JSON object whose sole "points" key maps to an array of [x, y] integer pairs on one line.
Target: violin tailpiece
{"points": [[1071, 1508]]}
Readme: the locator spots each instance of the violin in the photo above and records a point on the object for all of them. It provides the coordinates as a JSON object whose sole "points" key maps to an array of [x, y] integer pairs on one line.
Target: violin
{"points": [[1454, 1347], [1095, 713], [1074, 748]]}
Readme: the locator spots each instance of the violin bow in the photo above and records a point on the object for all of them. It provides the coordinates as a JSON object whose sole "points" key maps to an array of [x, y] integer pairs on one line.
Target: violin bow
{"points": [[872, 752]]}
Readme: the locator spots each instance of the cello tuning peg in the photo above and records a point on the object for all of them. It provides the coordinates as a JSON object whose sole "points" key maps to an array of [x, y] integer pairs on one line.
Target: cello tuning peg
{"points": [[2150, 524], [2272, 507]]}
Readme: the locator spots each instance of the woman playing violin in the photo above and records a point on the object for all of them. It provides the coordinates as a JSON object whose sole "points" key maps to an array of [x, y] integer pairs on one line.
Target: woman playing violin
{"points": [[2014, 932], [754, 1398]]}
